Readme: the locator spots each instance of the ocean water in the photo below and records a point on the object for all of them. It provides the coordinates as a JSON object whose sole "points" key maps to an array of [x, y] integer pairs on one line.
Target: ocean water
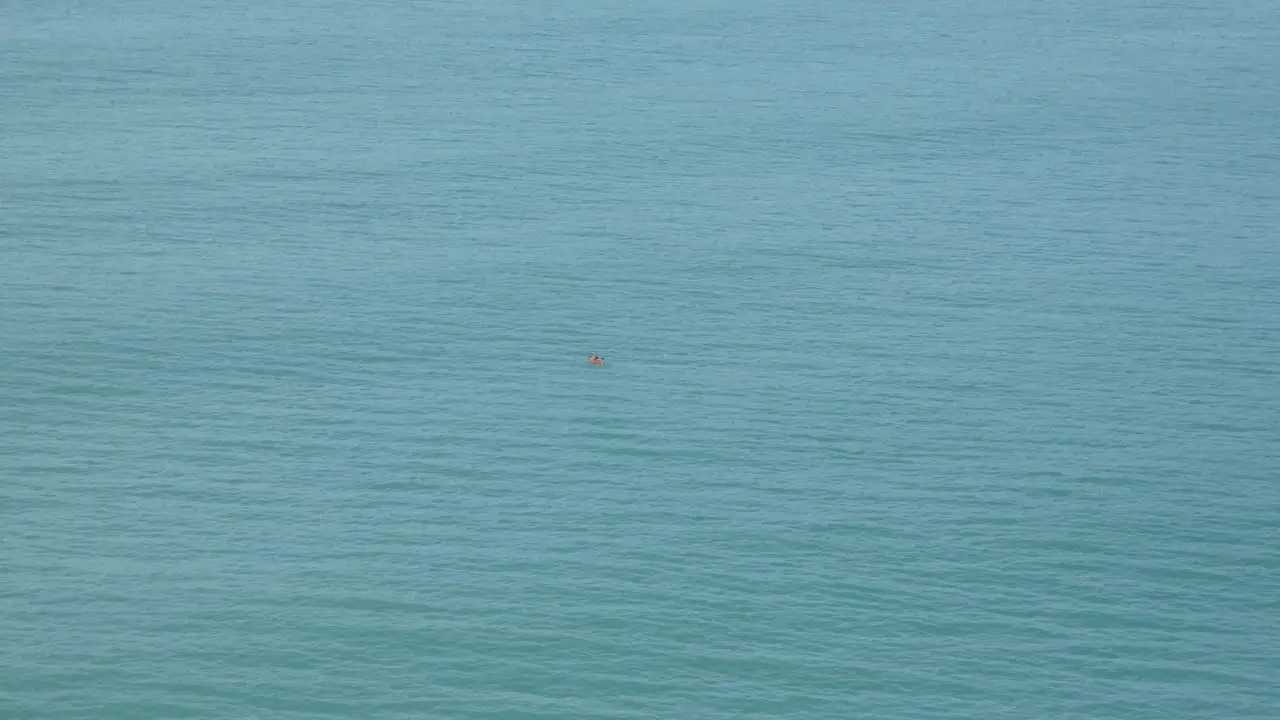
{"points": [[942, 359]]}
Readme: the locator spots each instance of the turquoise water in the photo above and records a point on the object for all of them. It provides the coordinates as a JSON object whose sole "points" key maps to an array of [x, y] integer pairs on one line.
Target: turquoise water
{"points": [[941, 345]]}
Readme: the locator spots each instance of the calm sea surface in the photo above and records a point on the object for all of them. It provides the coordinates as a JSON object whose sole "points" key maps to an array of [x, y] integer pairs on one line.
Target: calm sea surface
{"points": [[942, 349]]}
